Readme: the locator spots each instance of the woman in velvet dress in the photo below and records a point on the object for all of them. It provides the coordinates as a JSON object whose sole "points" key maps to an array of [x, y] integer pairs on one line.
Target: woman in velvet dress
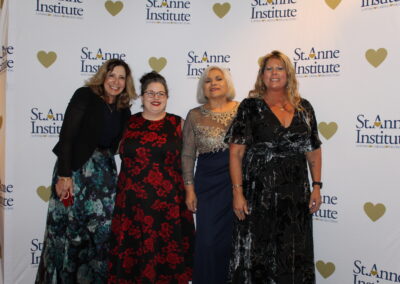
{"points": [[152, 230], [85, 179], [209, 192], [272, 138]]}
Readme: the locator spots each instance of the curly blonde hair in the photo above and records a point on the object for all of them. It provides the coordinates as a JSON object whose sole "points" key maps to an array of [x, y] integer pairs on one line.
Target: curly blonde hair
{"points": [[201, 98], [96, 82], [292, 84]]}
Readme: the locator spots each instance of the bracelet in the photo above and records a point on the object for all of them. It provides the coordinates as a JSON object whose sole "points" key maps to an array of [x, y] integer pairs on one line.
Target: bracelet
{"points": [[237, 186], [317, 183]]}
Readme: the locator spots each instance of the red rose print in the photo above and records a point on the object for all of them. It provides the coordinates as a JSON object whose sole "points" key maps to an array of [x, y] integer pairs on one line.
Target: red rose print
{"points": [[149, 245], [148, 220], [173, 212], [166, 230], [149, 137], [149, 272], [152, 231]]}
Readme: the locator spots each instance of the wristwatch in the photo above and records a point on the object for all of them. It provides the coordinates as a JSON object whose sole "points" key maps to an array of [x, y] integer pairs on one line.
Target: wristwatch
{"points": [[317, 183]]}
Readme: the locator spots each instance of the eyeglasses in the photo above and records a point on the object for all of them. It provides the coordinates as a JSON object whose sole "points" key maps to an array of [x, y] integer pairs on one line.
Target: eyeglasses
{"points": [[152, 94]]}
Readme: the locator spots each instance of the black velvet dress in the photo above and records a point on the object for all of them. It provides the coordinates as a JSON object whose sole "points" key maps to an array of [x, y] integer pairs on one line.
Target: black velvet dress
{"points": [[274, 244]]}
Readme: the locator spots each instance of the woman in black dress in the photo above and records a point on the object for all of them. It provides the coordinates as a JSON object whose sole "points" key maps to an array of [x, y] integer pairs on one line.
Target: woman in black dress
{"points": [[152, 230], [85, 179], [272, 138]]}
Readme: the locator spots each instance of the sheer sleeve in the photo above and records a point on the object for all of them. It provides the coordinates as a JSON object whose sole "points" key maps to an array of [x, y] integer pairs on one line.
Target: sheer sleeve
{"points": [[240, 131], [314, 142], [189, 149], [70, 127]]}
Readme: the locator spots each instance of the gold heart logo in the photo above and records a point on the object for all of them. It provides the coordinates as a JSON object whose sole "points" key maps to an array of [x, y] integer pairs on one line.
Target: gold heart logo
{"points": [[50, 116], [114, 7], [157, 64], [327, 129], [374, 212], [204, 58], [325, 269], [99, 56], [44, 192], [269, 1], [377, 123], [374, 272], [164, 3], [375, 58], [312, 55], [221, 9], [333, 3], [46, 58]]}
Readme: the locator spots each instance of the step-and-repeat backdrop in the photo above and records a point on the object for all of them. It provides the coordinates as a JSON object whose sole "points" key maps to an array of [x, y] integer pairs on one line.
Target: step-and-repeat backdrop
{"points": [[347, 59]]}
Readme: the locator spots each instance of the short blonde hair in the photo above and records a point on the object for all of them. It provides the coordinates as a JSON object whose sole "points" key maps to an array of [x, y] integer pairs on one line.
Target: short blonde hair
{"points": [[292, 84], [96, 82], [201, 98]]}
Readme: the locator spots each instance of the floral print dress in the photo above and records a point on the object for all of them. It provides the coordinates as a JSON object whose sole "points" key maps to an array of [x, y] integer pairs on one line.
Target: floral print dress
{"points": [[152, 230]]}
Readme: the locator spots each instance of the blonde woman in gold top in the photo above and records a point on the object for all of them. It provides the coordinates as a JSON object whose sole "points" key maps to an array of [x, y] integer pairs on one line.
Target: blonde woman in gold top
{"points": [[209, 190]]}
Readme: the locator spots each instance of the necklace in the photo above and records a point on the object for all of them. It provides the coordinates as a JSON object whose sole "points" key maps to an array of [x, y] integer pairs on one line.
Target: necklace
{"points": [[110, 108]]}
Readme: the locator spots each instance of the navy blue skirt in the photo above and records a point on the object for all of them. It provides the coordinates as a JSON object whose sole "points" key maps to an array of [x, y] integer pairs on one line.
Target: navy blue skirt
{"points": [[214, 218]]}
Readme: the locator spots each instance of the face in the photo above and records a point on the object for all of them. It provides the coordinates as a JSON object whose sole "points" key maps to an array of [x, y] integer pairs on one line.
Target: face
{"points": [[155, 98], [215, 85], [114, 82], [275, 77]]}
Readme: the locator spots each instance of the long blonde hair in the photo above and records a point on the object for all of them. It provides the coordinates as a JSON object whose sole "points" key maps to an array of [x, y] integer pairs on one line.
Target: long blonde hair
{"points": [[292, 85], [96, 82]]}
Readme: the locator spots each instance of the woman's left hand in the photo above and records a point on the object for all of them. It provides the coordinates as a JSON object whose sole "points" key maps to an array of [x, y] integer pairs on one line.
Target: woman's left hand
{"points": [[64, 187], [315, 200]]}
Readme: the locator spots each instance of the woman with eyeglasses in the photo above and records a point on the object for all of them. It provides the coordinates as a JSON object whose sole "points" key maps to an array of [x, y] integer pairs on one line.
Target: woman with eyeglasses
{"points": [[152, 230]]}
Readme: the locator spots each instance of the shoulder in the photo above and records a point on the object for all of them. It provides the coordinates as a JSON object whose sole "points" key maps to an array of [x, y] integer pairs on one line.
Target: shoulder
{"points": [[84, 95], [171, 115], [250, 103], [306, 104], [195, 110], [135, 116], [173, 118]]}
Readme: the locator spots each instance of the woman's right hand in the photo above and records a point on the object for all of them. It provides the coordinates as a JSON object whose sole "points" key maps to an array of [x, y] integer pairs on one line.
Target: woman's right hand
{"points": [[64, 187], [191, 199], [240, 206]]}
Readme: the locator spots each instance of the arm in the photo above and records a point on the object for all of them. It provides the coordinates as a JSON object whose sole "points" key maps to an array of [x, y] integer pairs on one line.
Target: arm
{"points": [[188, 161], [314, 159], [236, 153], [72, 121]]}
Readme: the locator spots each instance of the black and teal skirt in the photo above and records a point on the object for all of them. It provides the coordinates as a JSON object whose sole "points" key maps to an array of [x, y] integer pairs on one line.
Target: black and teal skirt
{"points": [[75, 246]]}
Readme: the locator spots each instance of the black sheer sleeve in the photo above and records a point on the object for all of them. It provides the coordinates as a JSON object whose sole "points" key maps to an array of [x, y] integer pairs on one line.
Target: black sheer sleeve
{"points": [[240, 131], [314, 142], [70, 128]]}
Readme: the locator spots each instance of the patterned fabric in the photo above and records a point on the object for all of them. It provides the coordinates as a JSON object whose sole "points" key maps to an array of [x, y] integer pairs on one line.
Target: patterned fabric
{"points": [[76, 238], [152, 230], [204, 132], [274, 244]]}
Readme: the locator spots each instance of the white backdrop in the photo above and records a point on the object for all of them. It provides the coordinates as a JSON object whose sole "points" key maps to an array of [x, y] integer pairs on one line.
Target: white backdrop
{"points": [[347, 56]]}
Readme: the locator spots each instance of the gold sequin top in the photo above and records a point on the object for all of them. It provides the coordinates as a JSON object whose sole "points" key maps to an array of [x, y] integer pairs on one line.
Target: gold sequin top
{"points": [[204, 131]]}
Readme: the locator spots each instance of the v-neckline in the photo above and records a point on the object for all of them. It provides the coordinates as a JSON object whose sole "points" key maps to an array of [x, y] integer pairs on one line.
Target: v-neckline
{"points": [[276, 117]]}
